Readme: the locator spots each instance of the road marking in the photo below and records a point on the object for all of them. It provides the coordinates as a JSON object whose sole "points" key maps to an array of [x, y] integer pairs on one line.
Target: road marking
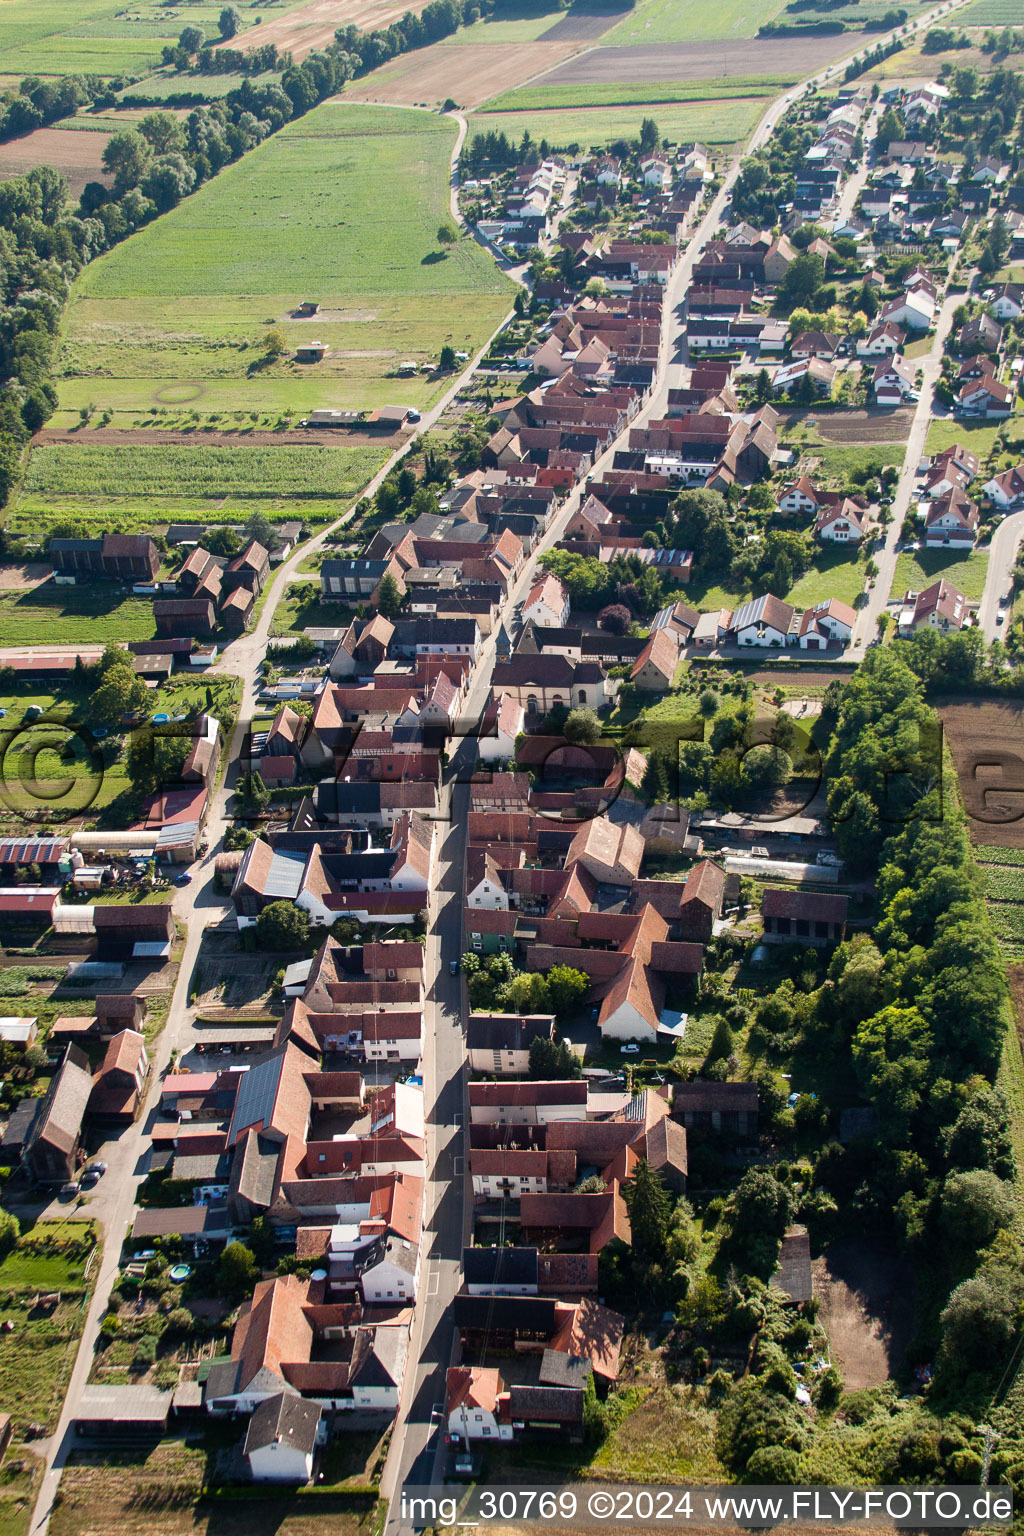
{"points": [[457, 1117], [456, 1166], [433, 1282]]}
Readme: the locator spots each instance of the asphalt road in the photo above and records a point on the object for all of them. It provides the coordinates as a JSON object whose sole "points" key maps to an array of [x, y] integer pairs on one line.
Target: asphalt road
{"points": [[1002, 555], [903, 498]]}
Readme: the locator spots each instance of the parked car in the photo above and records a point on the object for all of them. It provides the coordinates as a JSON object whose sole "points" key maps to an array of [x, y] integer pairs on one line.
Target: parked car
{"points": [[183, 879], [453, 967], [69, 1190], [629, 1049]]}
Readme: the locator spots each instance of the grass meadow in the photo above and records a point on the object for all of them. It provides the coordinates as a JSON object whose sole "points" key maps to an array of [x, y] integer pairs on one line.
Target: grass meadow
{"points": [[916, 571], [716, 122], [560, 97], [691, 21], [342, 206], [92, 37]]}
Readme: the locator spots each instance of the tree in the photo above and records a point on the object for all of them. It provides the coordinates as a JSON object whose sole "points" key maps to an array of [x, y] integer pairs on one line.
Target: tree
{"points": [[389, 599], [650, 138], [582, 727], [975, 1206], [709, 703], [615, 619], [978, 1323], [282, 927], [162, 131], [761, 1204], [126, 157], [891, 1053], [649, 1207], [153, 760], [10, 1231], [553, 1060], [445, 234], [253, 793], [229, 21], [275, 342], [446, 362], [803, 278], [119, 691], [167, 181], [191, 39], [259, 527], [237, 1272], [566, 986]]}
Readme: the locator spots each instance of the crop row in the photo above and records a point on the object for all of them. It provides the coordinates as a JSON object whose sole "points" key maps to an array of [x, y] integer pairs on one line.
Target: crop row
{"points": [[989, 853], [1008, 920], [1004, 882], [197, 470]]}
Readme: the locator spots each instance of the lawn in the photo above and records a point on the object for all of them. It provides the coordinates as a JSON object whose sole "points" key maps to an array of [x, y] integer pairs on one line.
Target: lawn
{"points": [[559, 97], [979, 440], [835, 573], [300, 608], [73, 615], [966, 573], [691, 21], [107, 486], [342, 206], [713, 122]]}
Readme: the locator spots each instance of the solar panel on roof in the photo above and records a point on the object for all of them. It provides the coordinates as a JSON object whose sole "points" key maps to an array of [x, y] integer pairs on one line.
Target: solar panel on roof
{"points": [[284, 878], [257, 1091]]}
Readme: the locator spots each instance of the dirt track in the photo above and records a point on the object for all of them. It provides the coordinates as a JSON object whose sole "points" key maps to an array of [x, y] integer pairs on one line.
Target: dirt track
{"points": [[792, 56], [93, 437]]}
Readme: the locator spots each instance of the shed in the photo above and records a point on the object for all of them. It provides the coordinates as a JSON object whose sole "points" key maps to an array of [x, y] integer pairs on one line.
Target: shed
{"points": [[792, 1278], [123, 1413]]}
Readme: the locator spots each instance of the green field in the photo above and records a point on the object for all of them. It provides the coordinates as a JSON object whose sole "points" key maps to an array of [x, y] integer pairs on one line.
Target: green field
{"points": [[713, 122], [980, 440], [73, 615], [96, 36], [965, 572], [691, 21], [990, 13], [107, 487], [165, 83], [342, 206], [532, 19], [835, 573], [531, 98], [841, 460]]}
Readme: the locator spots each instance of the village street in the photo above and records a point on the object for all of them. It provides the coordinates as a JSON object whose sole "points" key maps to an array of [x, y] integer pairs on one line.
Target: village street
{"points": [[904, 502]]}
